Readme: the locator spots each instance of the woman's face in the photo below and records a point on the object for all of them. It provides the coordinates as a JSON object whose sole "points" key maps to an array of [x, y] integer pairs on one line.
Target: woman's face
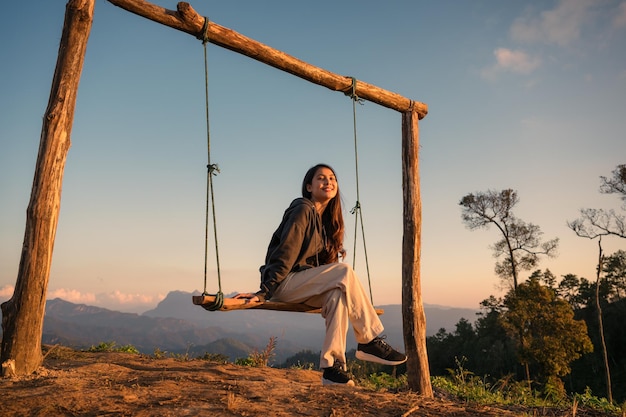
{"points": [[324, 186]]}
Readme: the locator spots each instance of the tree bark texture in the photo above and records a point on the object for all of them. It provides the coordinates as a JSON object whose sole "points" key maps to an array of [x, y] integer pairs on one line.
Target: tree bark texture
{"points": [[22, 315], [186, 19], [413, 316]]}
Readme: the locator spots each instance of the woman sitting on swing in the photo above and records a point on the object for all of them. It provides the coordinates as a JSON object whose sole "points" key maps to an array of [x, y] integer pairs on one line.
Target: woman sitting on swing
{"points": [[302, 266]]}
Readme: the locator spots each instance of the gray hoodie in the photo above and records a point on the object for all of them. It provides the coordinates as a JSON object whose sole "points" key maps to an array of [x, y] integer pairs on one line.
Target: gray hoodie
{"points": [[294, 246]]}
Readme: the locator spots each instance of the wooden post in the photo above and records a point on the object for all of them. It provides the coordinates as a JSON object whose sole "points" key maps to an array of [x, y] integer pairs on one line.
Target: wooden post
{"points": [[413, 317], [22, 315]]}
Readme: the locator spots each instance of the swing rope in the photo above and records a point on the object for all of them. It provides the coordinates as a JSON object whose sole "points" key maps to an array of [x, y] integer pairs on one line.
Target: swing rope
{"points": [[212, 169], [356, 210]]}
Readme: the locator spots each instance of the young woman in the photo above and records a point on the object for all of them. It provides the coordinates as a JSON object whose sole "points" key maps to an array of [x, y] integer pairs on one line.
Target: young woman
{"points": [[302, 266]]}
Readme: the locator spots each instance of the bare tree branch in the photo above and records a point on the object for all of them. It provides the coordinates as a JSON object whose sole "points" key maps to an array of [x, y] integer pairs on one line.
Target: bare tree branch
{"points": [[594, 223]]}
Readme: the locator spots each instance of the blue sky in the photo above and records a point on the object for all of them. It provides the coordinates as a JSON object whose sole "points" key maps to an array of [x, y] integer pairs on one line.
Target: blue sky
{"points": [[523, 95]]}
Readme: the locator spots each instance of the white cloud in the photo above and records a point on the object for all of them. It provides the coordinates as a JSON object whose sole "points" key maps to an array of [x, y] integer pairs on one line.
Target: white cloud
{"points": [[508, 60], [516, 61], [118, 297], [560, 26], [130, 303], [113, 300], [73, 296]]}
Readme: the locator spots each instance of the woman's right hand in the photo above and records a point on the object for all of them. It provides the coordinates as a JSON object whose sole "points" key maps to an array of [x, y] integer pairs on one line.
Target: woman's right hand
{"points": [[248, 296]]}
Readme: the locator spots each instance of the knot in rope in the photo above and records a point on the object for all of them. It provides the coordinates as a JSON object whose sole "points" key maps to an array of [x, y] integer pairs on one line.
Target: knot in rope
{"points": [[356, 208], [204, 34], [213, 169]]}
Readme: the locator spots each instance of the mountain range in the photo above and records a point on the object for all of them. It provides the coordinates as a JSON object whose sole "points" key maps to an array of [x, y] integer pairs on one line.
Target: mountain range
{"points": [[177, 326]]}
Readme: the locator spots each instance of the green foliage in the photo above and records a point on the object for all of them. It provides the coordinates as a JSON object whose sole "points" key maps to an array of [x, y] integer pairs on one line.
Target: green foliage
{"points": [[305, 359], [487, 348], [159, 354], [384, 382], [361, 370], [183, 357], [492, 351], [260, 359], [615, 275], [570, 290], [477, 390], [214, 357], [246, 362], [210, 357], [544, 327], [547, 278], [586, 370], [102, 347], [588, 400], [111, 347], [307, 366], [466, 386]]}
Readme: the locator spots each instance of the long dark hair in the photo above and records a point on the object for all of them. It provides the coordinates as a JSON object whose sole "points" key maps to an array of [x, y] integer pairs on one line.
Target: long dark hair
{"points": [[332, 218]]}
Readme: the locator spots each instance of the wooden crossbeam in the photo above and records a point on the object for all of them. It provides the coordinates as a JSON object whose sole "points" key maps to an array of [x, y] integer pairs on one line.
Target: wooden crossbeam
{"points": [[187, 20]]}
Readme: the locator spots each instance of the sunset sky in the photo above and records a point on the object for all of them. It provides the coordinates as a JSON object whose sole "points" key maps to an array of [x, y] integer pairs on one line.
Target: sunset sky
{"points": [[523, 95]]}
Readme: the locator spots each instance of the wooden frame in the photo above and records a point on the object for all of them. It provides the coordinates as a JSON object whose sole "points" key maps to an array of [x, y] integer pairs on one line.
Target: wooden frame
{"points": [[23, 314]]}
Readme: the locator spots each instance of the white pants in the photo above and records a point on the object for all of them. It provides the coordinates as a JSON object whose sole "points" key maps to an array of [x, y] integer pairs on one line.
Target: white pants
{"points": [[337, 290]]}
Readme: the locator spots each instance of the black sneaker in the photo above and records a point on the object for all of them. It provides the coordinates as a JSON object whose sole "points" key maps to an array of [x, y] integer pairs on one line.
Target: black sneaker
{"points": [[336, 375], [380, 352]]}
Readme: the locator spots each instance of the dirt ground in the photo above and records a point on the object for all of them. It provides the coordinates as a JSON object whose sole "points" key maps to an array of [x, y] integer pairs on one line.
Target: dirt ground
{"points": [[73, 383]]}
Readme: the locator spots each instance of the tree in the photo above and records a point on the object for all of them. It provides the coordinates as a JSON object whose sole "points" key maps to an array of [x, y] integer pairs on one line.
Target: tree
{"points": [[596, 223], [547, 335], [547, 278], [445, 349], [576, 291], [495, 350], [521, 245]]}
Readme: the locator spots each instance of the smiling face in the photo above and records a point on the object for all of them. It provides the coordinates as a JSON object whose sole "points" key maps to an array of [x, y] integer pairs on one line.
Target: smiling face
{"points": [[323, 186]]}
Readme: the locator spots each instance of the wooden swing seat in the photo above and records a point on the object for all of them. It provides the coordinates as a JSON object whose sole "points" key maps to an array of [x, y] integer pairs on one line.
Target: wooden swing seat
{"points": [[230, 304]]}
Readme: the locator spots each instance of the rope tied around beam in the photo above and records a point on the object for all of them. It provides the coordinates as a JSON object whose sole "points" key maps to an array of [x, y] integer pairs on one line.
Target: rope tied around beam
{"points": [[204, 33], [351, 92]]}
